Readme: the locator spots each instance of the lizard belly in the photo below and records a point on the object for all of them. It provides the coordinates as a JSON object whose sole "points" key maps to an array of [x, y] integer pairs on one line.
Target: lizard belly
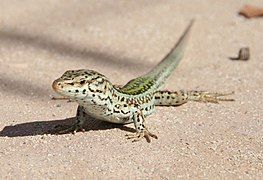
{"points": [[105, 114]]}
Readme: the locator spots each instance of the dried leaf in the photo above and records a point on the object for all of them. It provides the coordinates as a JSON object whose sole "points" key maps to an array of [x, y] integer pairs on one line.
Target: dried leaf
{"points": [[250, 11]]}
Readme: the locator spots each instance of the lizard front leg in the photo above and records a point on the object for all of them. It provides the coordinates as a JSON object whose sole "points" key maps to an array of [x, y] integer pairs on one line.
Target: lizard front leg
{"points": [[141, 129], [78, 124]]}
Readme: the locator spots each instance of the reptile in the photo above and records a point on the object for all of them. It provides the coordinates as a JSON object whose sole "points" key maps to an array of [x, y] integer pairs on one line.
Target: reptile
{"points": [[97, 97]]}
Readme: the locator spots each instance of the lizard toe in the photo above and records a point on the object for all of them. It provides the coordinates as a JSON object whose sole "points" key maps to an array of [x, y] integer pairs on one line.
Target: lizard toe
{"points": [[139, 135]]}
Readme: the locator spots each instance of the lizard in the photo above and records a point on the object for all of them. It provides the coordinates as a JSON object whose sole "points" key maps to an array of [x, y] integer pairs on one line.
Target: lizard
{"points": [[97, 97]]}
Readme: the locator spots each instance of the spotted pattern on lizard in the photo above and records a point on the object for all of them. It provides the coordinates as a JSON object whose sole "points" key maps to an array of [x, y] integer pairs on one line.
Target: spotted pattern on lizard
{"points": [[99, 98]]}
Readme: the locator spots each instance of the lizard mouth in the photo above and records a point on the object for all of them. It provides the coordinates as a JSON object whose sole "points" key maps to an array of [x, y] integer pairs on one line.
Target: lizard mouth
{"points": [[66, 88]]}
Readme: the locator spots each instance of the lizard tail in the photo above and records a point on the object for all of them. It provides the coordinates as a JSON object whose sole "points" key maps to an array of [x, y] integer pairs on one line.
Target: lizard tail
{"points": [[163, 70]]}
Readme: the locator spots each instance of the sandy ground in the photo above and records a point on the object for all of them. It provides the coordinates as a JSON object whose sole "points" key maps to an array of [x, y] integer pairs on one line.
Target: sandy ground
{"points": [[39, 40]]}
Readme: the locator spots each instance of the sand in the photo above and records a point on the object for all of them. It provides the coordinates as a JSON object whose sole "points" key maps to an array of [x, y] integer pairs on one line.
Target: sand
{"points": [[40, 40]]}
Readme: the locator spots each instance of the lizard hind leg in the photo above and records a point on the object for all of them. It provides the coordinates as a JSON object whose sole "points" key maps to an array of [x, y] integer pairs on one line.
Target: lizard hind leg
{"points": [[141, 130], [176, 98]]}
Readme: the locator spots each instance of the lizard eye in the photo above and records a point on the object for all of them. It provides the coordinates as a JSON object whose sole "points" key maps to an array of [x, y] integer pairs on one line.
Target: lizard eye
{"points": [[82, 82]]}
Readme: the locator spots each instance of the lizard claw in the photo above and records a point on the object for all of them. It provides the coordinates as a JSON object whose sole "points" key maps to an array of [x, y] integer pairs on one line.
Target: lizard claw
{"points": [[70, 129], [139, 135], [215, 97]]}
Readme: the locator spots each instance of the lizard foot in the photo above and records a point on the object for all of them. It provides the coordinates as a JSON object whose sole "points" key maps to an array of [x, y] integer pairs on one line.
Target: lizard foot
{"points": [[214, 97], [61, 98], [140, 134], [69, 129]]}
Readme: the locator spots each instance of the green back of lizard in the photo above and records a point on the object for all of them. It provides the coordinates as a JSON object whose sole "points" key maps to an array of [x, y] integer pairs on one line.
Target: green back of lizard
{"points": [[149, 82]]}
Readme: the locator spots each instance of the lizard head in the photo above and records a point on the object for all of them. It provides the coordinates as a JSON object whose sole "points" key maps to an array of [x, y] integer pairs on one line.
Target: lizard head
{"points": [[77, 84]]}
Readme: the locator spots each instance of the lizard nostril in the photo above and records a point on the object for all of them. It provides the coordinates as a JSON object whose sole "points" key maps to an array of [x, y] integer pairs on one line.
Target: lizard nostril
{"points": [[57, 85]]}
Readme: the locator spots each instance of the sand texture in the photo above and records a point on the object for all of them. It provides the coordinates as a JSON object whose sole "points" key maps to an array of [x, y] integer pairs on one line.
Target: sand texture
{"points": [[40, 40]]}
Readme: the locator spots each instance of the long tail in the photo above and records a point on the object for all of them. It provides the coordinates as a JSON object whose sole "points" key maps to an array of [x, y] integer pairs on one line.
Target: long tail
{"points": [[162, 70], [156, 77]]}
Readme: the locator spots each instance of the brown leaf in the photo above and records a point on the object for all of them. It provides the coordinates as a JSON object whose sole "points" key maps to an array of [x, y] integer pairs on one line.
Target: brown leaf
{"points": [[250, 11]]}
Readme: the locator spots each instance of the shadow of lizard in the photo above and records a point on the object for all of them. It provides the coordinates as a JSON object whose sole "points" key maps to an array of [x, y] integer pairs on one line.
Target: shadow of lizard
{"points": [[50, 127]]}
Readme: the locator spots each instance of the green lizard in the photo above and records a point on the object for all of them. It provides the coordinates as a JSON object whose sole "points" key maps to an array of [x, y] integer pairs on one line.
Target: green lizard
{"points": [[99, 98]]}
